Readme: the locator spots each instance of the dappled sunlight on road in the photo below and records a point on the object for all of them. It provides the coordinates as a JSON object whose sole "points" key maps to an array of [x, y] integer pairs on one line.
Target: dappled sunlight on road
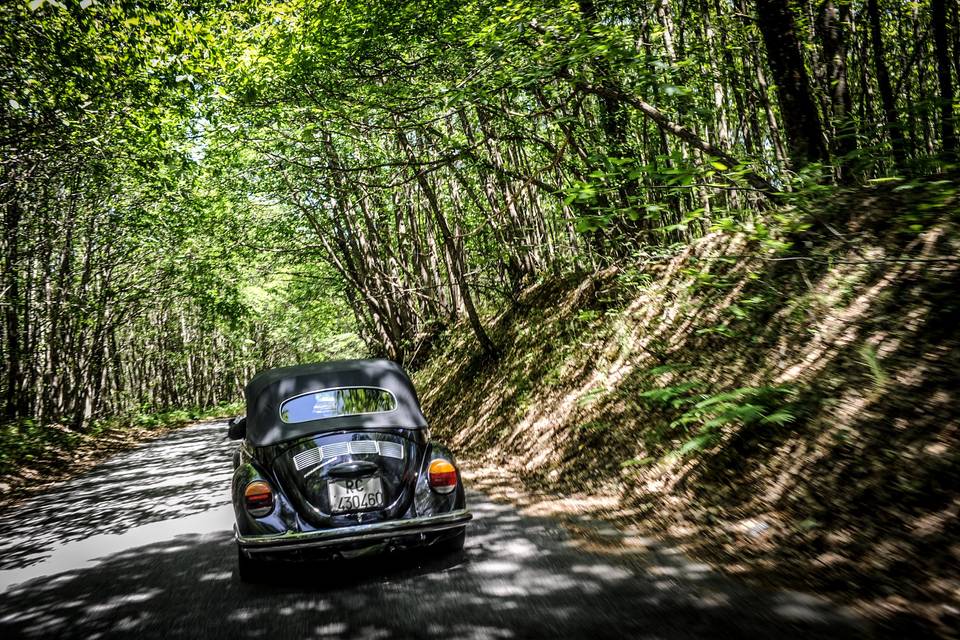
{"points": [[88, 552], [180, 475], [521, 575]]}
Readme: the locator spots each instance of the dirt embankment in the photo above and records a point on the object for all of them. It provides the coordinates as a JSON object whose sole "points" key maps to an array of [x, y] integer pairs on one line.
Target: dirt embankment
{"points": [[790, 417]]}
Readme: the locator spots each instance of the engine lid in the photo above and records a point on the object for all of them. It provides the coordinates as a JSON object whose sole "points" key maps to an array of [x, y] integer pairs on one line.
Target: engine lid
{"points": [[346, 478]]}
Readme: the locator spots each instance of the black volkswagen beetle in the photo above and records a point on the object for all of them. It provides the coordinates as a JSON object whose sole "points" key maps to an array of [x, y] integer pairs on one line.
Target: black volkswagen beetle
{"points": [[336, 460]]}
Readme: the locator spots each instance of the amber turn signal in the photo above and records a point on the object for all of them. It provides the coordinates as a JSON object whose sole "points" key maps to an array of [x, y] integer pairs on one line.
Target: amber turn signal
{"points": [[442, 476], [258, 497]]}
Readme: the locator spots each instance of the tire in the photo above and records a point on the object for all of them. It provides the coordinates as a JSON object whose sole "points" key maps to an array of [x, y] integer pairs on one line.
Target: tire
{"points": [[452, 544], [250, 570]]}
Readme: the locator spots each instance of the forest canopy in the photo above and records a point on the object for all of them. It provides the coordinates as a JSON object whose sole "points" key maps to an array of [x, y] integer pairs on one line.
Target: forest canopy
{"points": [[193, 191]]}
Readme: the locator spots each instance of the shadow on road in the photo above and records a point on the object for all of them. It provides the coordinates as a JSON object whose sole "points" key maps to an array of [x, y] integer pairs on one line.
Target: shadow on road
{"points": [[179, 475], [518, 577]]}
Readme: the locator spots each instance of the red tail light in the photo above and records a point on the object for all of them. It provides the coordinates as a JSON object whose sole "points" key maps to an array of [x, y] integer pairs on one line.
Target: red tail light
{"points": [[442, 476], [258, 497]]}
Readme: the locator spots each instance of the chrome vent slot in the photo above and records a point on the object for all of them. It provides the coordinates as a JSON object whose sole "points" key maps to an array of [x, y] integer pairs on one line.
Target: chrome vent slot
{"points": [[363, 446], [307, 459], [318, 455], [334, 450], [391, 450]]}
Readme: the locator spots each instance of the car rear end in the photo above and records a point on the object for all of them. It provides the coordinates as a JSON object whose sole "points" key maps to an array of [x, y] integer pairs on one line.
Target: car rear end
{"points": [[367, 487], [337, 493]]}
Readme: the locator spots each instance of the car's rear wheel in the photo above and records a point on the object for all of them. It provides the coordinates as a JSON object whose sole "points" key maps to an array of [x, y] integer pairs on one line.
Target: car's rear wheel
{"points": [[250, 570]]}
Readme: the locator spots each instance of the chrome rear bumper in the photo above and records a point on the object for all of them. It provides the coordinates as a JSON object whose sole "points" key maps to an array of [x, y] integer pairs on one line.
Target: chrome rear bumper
{"points": [[373, 532]]}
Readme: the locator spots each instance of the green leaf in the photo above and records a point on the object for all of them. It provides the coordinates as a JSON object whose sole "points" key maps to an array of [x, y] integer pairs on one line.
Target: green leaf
{"points": [[667, 368], [779, 417], [674, 90], [696, 444], [737, 311]]}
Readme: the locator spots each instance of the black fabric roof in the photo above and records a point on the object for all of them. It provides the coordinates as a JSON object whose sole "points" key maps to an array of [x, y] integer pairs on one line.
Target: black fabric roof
{"points": [[268, 389]]}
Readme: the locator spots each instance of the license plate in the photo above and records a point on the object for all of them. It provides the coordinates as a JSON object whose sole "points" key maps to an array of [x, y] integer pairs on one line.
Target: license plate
{"points": [[355, 495]]}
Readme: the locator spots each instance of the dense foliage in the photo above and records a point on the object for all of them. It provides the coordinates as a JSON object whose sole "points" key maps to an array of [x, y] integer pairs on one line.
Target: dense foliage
{"points": [[444, 154], [130, 277], [192, 191]]}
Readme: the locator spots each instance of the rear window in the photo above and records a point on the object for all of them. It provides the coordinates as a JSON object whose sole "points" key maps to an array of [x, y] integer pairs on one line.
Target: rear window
{"points": [[333, 403]]}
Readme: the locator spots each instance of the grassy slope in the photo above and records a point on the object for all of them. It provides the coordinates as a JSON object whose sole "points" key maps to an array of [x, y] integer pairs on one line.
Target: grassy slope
{"points": [[794, 421]]}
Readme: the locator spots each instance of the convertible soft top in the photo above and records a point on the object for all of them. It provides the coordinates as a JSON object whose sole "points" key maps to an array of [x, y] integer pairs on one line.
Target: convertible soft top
{"points": [[267, 391]]}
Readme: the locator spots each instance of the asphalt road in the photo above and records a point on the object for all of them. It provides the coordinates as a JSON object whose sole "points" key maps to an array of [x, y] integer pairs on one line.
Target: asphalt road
{"points": [[142, 547]]}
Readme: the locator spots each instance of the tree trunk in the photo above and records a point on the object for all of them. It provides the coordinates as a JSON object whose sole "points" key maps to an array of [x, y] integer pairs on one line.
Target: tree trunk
{"points": [[801, 121], [887, 99], [457, 264], [938, 11], [834, 16], [11, 281]]}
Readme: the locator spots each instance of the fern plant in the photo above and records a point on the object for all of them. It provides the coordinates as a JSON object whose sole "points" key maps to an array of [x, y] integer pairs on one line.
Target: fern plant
{"points": [[703, 416]]}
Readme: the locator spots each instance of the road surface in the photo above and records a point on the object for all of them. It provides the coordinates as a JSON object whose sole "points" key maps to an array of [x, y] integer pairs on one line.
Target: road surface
{"points": [[141, 547]]}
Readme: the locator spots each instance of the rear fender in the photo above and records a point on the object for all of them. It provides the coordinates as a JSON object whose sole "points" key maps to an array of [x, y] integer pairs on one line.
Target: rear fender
{"points": [[429, 502], [280, 520]]}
